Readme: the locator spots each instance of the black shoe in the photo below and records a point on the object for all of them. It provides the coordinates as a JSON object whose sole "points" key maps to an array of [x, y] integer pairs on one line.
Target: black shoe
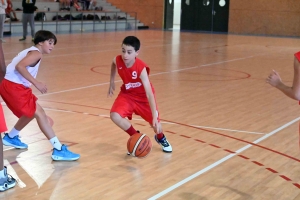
{"points": [[22, 39]]}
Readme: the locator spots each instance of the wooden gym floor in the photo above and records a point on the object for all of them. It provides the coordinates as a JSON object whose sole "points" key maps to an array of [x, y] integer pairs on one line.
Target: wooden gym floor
{"points": [[234, 137]]}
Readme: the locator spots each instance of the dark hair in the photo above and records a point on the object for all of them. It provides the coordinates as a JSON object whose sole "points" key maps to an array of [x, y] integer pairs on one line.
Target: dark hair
{"points": [[132, 41], [43, 35]]}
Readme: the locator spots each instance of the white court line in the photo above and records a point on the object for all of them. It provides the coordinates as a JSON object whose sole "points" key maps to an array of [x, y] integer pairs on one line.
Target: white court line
{"points": [[137, 119], [180, 183], [106, 83], [13, 173], [224, 129], [9, 148]]}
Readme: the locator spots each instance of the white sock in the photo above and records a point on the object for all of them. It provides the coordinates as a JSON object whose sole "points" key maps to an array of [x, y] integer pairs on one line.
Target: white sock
{"points": [[55, 143], [2, 175], [13, 133]]}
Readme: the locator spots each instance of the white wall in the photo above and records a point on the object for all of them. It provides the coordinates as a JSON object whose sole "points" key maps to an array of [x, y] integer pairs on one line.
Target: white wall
{"points": [[177, 12]]}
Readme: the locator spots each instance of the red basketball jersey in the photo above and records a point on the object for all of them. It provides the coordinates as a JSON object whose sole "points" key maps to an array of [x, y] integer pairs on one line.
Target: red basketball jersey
{"points": [[132, 83], [297, 55]]}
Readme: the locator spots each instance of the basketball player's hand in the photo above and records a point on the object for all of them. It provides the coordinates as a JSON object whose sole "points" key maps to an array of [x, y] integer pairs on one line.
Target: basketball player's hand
{"points": [[111, 89], [157, 126], [41, 87], [274, 79]]}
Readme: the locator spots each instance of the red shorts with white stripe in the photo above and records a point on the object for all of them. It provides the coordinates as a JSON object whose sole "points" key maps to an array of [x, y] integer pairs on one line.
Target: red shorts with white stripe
{"points": [[125, 105], [3, 127], [18, 98]]}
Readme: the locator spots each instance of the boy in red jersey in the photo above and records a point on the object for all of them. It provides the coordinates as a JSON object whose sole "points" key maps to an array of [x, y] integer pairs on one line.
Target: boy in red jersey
{"points": [[137, 93], [6, 181], [294, 91]]}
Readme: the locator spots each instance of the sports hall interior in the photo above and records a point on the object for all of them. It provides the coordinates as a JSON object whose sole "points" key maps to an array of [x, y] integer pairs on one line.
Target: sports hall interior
{"points": [[234, 136]]}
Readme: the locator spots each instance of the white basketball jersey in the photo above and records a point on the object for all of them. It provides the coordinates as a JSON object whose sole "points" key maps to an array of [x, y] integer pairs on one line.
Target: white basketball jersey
{"points": [[14, 76]]}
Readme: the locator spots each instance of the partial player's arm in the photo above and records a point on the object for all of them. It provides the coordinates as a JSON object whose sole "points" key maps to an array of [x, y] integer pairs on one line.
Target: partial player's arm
{"points": [[31, 59], [113, 72], [150, 97], [2, 64], [3, 4], [292, 92]]}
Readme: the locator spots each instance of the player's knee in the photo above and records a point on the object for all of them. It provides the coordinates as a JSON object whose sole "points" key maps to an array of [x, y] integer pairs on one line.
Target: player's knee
{"points": [[39, 111], [115, 117]]}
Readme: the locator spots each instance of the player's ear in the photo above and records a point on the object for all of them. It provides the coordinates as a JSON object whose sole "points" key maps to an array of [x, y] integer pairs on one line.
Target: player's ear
{"points": [[137, 52]]}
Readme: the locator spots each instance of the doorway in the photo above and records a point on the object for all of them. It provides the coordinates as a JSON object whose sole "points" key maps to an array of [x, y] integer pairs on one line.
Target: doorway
{"points": [[198, 15]]}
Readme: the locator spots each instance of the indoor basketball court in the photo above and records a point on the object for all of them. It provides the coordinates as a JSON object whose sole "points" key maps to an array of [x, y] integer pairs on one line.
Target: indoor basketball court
{"points": [[234, 137]]}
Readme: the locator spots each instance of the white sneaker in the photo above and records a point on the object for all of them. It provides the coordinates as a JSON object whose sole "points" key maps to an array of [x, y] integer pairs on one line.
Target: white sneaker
{"points": [[2, 40], [7, 182], [165, 145]]}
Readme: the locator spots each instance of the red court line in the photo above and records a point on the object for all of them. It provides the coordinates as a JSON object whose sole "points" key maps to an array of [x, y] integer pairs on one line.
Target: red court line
{"points": [[243, 156], [214, 145], [258, 163], [200, 141], [297, 185], [74, 104], [238, 139], [285, 178], [271, 170], [203, 129], [229, 151]]}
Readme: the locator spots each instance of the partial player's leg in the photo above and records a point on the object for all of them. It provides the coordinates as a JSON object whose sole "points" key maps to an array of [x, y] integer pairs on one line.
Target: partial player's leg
{"points": [[122, 108], [6, 181], [143, 109], [60, 152], [12, 138]]}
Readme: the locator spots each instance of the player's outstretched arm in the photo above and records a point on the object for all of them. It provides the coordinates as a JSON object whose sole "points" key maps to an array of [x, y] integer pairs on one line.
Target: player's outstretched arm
{"points": [[113, 71], [292, 92]]}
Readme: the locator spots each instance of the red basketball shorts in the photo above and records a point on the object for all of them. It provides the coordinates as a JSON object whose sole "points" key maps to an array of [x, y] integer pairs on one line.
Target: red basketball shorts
{"points": [[297, 55], [3, 127], [126, 105], [18, 98]]}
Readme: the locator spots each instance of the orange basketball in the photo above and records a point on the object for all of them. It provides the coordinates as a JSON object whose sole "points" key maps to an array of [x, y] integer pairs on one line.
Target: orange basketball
{"points": [[139, 145]]}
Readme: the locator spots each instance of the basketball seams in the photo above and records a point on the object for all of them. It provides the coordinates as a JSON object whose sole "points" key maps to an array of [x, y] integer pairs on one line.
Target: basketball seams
{"points": [[137, 144], [145, 149]]}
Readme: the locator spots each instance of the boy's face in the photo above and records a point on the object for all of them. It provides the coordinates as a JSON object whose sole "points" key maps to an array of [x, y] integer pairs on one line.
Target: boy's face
{"points": [[47, 46], [129, 54]]}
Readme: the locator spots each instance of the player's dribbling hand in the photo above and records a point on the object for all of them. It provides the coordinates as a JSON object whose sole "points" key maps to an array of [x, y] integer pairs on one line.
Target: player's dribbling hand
{"points": [[41, 87], [274, 79], [111, 90], [156, 126]]}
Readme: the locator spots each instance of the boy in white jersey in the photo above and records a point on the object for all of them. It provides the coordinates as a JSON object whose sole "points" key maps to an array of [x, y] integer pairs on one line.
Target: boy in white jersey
{"points": [[137, 93], [15, 91], [6, 181]]}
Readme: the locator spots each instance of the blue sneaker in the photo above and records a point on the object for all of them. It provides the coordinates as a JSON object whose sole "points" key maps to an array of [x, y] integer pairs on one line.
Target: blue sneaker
{"points": [[64, 154], [14, 142], [7, 182], [165, 145]]}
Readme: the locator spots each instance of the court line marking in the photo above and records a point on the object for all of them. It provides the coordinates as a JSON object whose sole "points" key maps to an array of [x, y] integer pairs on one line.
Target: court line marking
{"points": [[13, 173], [206, 169], [163, 122], [168, 72], [224, 129]]}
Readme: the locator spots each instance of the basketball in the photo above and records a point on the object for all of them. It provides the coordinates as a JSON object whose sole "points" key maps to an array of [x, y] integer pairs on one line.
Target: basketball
{"points": [[139, 145]]}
